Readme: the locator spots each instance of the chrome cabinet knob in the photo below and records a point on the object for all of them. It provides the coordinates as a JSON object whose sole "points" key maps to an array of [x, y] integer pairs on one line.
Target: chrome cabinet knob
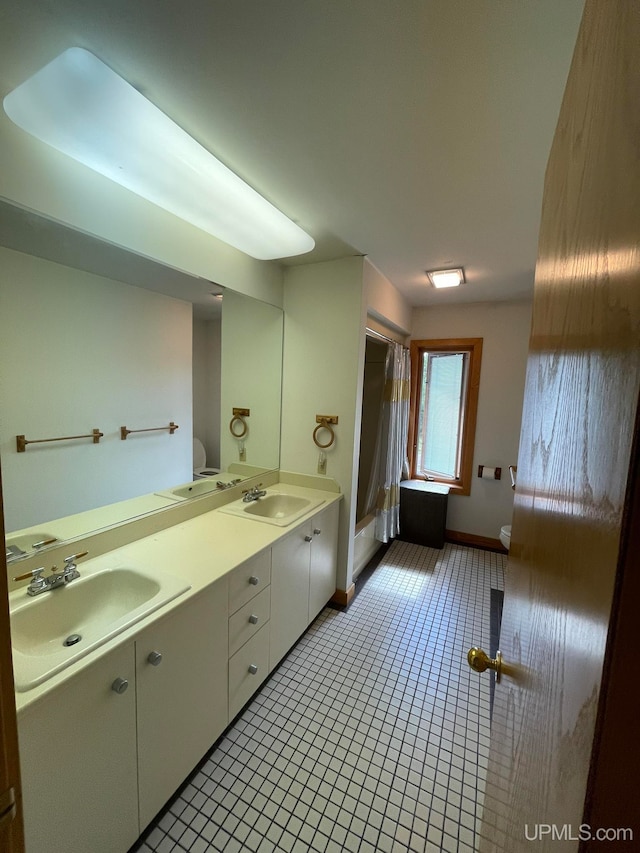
{"points": [[120, 685], [253, 669], [254, 581], [154, 658], [308, 538], [253, 619], [317, 531]]}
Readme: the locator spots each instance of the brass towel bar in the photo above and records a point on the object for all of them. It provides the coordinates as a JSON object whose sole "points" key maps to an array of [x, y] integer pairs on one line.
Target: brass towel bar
{"points": [[21, 441], [124, 432]]}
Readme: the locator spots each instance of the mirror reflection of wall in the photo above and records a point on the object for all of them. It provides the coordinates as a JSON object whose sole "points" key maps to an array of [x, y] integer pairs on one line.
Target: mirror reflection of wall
{"points": [[252, 334], [82, 349], [207, 344], [80, 352]]}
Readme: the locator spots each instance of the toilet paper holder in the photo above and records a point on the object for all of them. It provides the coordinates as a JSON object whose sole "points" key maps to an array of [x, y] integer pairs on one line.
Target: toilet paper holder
{"points": [[487, 473]]}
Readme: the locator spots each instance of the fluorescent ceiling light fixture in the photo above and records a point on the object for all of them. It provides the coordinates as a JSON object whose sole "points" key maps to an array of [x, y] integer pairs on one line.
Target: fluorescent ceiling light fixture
{"points": [[446, 278], [81, 107]]}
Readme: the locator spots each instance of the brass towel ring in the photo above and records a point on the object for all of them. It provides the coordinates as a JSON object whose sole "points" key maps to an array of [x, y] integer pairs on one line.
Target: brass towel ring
{"points": [[327, 426], [244, 427]]}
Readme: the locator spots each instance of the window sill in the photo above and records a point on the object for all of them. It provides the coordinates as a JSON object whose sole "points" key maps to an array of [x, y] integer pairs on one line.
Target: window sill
{"points": [[455, 488]]}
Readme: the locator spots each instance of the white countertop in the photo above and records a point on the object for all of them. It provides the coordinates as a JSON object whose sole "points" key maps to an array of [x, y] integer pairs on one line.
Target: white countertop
{"points": [[200, 551]]}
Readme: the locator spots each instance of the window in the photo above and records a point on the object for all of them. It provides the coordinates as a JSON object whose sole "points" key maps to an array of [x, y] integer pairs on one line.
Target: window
{"points": [[444, 402]]}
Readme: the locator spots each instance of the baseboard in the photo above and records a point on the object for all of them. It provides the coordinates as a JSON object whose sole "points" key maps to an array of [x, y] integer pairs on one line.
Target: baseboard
{"points": [[342, 597], [484, 542]]}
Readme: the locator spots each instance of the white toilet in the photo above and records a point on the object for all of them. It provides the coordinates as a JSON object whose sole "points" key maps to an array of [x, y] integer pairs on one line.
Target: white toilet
{"points": [[200, 470], [505, 535]]}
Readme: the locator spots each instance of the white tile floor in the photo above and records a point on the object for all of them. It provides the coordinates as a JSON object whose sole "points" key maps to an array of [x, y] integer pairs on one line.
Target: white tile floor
{"points": [[373, 733]]}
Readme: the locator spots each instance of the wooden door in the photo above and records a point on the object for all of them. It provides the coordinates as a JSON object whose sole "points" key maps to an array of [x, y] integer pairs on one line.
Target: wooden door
{"points": [[576, 450], [11, 831]]}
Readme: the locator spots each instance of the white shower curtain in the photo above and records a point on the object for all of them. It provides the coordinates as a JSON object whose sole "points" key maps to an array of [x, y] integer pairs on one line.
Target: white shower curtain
{"points": [[390, 458]]}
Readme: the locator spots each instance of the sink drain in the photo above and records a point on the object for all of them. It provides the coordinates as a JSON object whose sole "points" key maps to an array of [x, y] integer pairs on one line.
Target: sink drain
{"points": [[72, 639]]}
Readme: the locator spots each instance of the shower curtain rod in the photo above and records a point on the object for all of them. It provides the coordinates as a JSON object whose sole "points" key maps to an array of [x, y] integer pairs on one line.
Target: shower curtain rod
{"points": [[384, 337]]}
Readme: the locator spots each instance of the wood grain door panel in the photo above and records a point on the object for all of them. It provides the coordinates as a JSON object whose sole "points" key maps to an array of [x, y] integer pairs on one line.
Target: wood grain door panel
{"points": [[583, 378]]}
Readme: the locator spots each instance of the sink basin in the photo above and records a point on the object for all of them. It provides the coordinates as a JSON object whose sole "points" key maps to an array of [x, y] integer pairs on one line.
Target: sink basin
{"points": [[275, 508], [192, 490], [96, 607]]}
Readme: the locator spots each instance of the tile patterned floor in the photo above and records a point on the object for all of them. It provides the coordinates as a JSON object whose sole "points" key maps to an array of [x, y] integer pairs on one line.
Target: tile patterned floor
{"points": [[372, 735]]}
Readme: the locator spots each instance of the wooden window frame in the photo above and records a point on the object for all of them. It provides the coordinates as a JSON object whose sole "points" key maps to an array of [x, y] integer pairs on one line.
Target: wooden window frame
{"points": [[462, 485]]}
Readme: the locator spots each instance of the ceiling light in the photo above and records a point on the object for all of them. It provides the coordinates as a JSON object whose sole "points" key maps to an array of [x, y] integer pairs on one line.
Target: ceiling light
{"points": [[81, 107], [446, 278]]}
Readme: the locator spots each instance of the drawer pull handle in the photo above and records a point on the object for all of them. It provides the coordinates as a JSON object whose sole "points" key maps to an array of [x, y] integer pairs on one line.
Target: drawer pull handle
{"points": [[308, 538], [253, 669], [254, 581], [120, 685], [317, 531], [154, 658], [253, 619]]}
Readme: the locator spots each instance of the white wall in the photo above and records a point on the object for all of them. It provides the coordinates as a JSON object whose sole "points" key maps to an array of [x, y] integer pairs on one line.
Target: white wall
{"points": [[206, 386], [323, 360], [505, 327], [78, 351], [384, 301]]}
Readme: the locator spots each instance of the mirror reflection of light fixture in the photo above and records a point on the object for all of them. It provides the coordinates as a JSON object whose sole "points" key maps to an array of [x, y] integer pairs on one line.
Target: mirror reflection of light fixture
{"points": [[446, 278], [85, 110]]}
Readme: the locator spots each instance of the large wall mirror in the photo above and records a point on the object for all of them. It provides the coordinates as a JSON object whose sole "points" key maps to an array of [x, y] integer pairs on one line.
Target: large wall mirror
{"points": [[98, 338]]}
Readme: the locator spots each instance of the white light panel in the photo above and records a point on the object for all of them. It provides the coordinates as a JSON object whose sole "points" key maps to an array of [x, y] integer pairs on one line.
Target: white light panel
{"points": [[81, 107], [446, 278]]}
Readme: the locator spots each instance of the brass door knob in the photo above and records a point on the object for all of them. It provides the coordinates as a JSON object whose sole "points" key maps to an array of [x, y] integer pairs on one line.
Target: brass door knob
{"points": [[479, 660]]}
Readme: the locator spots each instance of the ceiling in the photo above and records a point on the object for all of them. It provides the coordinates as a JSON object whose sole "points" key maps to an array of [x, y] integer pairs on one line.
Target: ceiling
{"points": [[413, 131]]}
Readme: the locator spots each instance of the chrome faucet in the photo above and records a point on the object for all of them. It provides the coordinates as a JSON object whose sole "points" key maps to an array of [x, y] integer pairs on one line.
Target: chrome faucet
{"points": [[254, 493], [55, 579], [220, 484]]}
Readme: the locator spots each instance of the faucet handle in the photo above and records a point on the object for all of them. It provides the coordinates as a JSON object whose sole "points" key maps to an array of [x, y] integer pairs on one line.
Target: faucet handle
{"points": [[70, 572], [38, 583], [70, 560], [34, 574]]}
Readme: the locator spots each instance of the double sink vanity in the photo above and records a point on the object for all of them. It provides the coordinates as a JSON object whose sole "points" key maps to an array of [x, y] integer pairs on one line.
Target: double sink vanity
{"points": [[127, 675]]}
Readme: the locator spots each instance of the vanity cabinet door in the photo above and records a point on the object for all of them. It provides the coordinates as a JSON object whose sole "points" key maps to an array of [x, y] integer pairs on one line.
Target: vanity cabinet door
{"points": [[182, 695], [324, 559], [290, 559], [78, 761]]}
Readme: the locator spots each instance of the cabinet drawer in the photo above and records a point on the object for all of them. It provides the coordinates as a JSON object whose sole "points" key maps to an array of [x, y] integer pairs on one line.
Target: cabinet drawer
{"points": [[242, 682], [248, 620], [248, 580]]}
